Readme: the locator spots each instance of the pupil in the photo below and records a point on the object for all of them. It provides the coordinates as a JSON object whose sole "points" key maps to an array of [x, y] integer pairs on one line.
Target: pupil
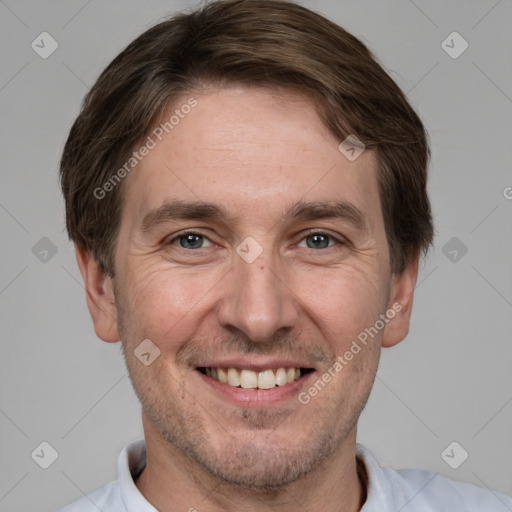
{"points": [[319, 241], [190, 241]]}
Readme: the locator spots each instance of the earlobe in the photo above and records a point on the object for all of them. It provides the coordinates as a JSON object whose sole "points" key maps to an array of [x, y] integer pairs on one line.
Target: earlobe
{"points": [[400, 301], [99, 294]]}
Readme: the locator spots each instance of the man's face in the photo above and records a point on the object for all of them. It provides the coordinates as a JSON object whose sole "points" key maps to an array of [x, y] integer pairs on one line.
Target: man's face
{"points": [[319, 281]]}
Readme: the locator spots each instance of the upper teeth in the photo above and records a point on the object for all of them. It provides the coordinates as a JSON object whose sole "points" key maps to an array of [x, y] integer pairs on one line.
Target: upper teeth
{"points": [[248, 379]]}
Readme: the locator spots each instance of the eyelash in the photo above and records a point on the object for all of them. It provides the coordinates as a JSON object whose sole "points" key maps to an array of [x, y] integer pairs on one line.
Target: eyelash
{"points": [[339, 241]]}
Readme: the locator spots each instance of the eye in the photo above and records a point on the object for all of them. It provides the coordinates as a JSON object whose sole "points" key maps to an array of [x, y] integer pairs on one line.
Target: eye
{"points": [[319, 240], [190, 240]]}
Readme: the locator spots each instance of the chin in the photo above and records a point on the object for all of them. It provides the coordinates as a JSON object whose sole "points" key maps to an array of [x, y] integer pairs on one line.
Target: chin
{"points": [[265, 471], [261, 465]]}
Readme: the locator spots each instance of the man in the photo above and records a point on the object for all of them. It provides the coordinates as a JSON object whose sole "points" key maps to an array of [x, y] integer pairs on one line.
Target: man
{"points": [[246, 190]]}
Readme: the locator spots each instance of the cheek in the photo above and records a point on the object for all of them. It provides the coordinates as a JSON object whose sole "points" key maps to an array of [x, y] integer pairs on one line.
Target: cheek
{"points": [[343, 301], [164, 303]]}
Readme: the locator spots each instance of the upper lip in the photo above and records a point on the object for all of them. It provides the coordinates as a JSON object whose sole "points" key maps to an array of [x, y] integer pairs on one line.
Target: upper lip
{"points": [[253, 364]]}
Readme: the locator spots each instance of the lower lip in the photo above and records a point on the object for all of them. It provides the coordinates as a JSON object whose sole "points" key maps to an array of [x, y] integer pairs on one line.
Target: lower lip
{"points": [[257, 397]]}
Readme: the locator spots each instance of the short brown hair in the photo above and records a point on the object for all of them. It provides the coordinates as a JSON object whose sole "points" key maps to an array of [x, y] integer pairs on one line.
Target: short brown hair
{"points": [[267, 43]]}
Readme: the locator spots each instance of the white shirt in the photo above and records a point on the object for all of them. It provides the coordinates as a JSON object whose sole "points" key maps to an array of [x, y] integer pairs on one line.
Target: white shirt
{"points": [[388, 490]]}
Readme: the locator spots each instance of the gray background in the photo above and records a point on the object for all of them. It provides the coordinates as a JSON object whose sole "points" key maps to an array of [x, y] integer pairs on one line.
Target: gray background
{"points": [[450, 380]]}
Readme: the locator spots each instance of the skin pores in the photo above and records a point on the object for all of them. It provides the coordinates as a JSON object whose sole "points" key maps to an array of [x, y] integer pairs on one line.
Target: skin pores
{"points": [[317, 284]]}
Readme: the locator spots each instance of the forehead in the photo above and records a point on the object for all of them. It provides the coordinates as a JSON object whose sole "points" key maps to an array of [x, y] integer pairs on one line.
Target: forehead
{"points": [[250, 149]]}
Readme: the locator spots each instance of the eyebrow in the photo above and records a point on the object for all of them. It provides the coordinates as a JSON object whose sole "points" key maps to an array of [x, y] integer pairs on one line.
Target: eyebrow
{"points": [[195, 210], [186, 210], [317, 210]]}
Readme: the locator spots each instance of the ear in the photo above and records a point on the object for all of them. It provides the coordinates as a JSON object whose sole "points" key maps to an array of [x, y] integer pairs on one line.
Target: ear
{"points": [[400, 301], [100, 295]]}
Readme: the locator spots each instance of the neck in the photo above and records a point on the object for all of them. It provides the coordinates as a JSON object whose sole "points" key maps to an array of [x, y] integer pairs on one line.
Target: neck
{"points": [[170, 482]]}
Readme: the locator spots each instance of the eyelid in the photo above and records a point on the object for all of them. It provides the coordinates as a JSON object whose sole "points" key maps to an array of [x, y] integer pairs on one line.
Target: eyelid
{"points": [[339, 239], [176, 236]]}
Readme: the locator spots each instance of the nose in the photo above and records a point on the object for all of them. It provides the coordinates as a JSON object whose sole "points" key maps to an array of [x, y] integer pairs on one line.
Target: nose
{"points": [[257, 300]]}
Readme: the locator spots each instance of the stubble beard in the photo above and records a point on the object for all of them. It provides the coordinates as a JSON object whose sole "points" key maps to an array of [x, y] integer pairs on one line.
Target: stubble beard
{"points": [[249, 464]]}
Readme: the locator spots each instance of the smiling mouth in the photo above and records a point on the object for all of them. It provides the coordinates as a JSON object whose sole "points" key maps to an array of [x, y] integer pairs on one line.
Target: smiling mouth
{"points": [[249, 379]]}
